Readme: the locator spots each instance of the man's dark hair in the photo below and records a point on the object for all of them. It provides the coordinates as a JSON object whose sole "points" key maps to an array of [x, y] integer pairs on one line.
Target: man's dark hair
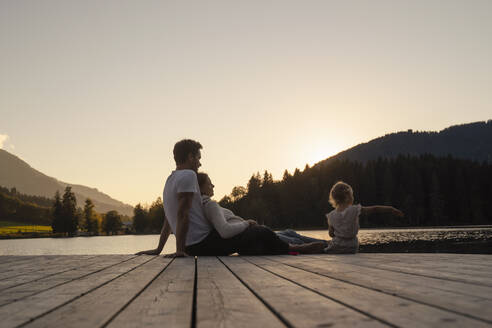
{"points": [[185, 147]]}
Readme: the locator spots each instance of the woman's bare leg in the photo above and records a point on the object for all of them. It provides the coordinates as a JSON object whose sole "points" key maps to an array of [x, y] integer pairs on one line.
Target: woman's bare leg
{"points": [[309, 248]]}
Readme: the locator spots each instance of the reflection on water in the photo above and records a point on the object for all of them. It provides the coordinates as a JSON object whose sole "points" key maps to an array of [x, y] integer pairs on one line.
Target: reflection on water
{"points": [[381, 236], [84, 245], [131, 244]]}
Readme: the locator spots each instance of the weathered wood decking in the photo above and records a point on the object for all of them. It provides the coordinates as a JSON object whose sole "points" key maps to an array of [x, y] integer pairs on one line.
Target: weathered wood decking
{"points": [[366, 290]]}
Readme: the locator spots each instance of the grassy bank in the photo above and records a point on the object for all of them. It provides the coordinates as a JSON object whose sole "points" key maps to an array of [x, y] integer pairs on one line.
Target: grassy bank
{"points": [[15, 229]]}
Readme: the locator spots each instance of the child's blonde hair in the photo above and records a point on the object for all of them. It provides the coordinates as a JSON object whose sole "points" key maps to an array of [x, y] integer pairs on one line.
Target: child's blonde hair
{"points": [[340, 194]]}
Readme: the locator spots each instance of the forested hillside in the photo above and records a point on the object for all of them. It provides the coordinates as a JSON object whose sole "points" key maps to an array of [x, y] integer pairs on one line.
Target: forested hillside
{"points": [[19, 208], [430, 190], [37, 200], [471, 141]]}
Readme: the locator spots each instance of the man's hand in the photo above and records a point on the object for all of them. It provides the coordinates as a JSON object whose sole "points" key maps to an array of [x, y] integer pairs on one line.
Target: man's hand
{"points": [[149, 252], [177, 254], [252, 222]]}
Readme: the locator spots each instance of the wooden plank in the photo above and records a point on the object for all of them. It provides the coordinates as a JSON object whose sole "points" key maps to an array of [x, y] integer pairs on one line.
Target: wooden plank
{"points": [[223, 301], [385, 307], [437, 268], [32, 307], [48, 266], [456, 264], [98, 307], [20, 291], [34, 276], [478, 259], [21, 261], [359, 263], [472, 259], [167, 301], [11, 259], [469, 300], [45, 270], [295, 305]]}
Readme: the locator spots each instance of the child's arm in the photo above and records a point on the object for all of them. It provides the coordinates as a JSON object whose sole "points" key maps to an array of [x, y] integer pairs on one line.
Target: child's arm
{"points": [[368, 210], [331, 231]]}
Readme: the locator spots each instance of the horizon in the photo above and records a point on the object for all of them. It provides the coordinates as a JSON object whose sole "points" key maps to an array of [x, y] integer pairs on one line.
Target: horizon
{"points": [[97, 94]]}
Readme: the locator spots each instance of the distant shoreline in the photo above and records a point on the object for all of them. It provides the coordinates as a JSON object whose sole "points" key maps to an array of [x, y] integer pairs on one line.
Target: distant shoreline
{"points": [[409, 228], [35, 235]]}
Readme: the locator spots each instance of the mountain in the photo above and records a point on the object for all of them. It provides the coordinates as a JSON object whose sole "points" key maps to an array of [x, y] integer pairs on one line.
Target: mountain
{"points": [[14, 172], [471, 141]]}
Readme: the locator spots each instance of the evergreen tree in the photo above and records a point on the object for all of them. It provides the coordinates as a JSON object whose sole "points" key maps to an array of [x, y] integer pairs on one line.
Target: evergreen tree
{"points": [[286, 176], [90, 222], [156, 215], [267, 179], [436, 204], [112, 222], [237, 193], [69, 212], [140, 219], [57, 213], [254, 184]]}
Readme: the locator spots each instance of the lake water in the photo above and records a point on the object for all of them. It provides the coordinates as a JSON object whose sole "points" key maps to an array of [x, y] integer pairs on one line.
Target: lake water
{"points": [[129, 244]]}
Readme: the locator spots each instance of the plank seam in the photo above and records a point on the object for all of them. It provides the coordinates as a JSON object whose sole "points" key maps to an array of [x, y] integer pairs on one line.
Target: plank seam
{"points": [[195, 291], [389, 293], [66, 282], [82, 294], [137, 294], [329, 297], [269, 307]]}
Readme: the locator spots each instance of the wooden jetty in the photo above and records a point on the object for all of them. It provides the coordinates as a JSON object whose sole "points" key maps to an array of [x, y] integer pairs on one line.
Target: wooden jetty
{"points": [[362, 290]]}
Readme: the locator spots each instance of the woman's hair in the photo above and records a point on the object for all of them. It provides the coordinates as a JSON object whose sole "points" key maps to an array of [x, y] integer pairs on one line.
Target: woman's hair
{"points": [[340, 194], [202, 178]]}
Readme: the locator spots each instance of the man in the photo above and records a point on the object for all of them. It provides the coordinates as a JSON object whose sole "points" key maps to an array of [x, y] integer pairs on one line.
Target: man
{"points": [[182, 202]]}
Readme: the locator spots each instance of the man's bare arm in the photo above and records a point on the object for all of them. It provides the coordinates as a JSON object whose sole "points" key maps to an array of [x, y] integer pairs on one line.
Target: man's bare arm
{"points": [[184, 205], [165, 231]]}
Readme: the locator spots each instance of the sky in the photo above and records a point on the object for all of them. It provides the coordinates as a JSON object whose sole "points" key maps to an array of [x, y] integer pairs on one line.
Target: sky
{"points": [[97, 92]]}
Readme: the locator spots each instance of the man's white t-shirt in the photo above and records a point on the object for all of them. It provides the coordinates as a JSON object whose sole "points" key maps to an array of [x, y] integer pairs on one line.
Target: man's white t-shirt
{"points": [[185, 181]]}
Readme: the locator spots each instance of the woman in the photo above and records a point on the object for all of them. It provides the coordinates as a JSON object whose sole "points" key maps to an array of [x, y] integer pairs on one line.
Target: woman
{"points": [[245, 237]]}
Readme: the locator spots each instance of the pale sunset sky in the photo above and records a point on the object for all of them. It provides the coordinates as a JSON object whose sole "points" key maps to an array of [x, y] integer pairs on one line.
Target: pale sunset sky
{"points": [[97, 92]]}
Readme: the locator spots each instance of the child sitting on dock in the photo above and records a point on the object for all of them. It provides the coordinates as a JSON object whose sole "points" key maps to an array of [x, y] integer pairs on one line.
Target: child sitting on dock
{"points": [[343, 221]]}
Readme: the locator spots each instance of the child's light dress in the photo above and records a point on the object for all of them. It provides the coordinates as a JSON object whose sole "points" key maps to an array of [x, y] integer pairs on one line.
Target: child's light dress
{"points": [[346, 226]]}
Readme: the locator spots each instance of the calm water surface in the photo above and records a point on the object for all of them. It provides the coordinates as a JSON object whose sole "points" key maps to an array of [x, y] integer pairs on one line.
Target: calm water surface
{"points": [[130, 244]]}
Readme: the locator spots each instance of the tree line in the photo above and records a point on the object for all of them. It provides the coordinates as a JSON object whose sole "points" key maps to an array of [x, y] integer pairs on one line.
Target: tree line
{"points": [[36, 200], [67, 218], [432, 191], [148, 219]]}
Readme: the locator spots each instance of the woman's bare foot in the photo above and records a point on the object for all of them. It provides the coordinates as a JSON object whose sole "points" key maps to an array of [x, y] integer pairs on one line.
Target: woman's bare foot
{"points": [[310, 248]]}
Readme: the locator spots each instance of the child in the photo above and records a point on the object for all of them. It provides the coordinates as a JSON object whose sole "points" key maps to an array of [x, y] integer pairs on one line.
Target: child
{"points": [[343, 221]]}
